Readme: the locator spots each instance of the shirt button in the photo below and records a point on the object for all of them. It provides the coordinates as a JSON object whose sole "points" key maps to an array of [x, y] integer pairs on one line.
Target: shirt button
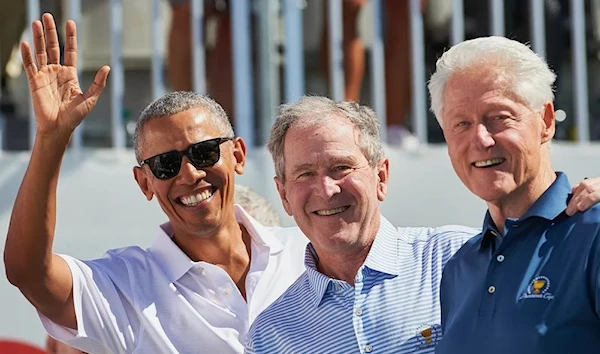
{"points": [[358, 311], [494, 233], [500, 258], [492, 289], [368, 348], [227, 292], [338, 287]]}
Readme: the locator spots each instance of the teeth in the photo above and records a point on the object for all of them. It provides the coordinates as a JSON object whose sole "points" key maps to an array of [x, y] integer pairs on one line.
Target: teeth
{"points": [[192, 200], [331, 211], [487, 163]]}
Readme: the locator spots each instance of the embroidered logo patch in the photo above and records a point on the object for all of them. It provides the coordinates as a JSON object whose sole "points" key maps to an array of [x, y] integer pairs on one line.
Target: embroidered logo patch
{"points": [[427, 336], [538, 289]]}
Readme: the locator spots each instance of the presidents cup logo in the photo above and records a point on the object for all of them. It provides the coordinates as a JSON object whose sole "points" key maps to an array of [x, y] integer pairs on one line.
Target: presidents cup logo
{"points": [[427, 336], [538, 289]]}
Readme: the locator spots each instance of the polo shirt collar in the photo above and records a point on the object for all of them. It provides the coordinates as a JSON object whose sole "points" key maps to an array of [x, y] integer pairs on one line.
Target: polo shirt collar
{"points": [[176, 263], [382, 257], [548, 206]]}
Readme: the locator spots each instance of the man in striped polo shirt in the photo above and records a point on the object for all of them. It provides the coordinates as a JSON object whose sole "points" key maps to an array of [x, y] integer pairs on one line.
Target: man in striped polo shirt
{"points": [[368, 286]]}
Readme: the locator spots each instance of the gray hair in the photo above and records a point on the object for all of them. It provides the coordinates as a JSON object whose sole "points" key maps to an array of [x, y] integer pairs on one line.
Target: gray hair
{"points": [[177, 102], [312, 111], [256, 205], [529, 73]]}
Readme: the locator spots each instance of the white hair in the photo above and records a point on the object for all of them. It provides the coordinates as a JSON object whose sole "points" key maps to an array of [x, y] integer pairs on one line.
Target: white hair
{"points": [[313, 111], [531, 78]]}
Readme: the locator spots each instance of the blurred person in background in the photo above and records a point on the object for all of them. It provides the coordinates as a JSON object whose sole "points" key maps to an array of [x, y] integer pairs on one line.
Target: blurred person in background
{"points": [[256, 205], [219, 69], [397, 63]]}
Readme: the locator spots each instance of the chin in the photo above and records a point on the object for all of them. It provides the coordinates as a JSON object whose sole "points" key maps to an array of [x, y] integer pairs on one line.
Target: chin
{"points": [[491, 194]]}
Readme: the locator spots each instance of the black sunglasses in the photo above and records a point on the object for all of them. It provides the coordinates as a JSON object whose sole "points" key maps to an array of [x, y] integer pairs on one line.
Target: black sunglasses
{"points": [[203, 154]]}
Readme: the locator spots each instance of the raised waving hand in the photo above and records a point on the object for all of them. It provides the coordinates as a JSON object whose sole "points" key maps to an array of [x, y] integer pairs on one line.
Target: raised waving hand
{"points": [[58, 101]]}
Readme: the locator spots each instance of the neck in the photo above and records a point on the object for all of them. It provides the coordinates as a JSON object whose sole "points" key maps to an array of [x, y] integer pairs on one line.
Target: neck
{"points": [[343, 266], [518, 202], [229, 248]]}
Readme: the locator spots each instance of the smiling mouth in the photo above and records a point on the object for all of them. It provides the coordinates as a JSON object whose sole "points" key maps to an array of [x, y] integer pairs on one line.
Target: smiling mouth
{"points": [[329, 212], [195, 199], [489, 163]]}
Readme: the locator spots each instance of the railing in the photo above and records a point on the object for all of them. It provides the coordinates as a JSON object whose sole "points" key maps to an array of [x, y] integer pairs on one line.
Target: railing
{"points": [[293, 66]]}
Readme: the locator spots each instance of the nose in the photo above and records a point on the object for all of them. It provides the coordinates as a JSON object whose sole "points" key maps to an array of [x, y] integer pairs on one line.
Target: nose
{"points": [[327, 187], [188, 173], [483, 138]]}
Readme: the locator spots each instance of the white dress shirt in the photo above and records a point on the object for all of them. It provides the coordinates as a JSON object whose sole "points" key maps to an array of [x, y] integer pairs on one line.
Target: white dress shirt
{"points": [[159, 301]]}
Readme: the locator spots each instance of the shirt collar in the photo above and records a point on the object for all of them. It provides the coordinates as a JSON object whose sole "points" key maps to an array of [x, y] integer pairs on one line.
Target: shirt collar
{"points": [[382, 257], [548, 206], [176, 263]]}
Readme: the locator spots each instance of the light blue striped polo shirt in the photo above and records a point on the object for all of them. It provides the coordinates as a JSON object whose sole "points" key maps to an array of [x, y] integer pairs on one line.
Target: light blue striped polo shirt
{"points": [[393, 307]]}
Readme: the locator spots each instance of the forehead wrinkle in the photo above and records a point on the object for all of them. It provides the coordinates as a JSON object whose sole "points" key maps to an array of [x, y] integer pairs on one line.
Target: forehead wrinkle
{"points": [[482, 84]]}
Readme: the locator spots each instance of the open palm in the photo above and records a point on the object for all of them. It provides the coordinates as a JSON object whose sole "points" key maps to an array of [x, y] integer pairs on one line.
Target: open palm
{"points": [[58, 102]]}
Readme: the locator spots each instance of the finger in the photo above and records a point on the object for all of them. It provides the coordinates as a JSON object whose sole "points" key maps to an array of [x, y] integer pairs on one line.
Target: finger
{"points": [[39, 44], [575, 188], [591, 198], [52, 47], [572, 205], [71, 44], [96, 88], [27, 58]]}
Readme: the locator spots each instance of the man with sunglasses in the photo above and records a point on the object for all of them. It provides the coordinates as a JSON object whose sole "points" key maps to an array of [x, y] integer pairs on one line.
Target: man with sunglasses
{"points": [[211, 269]]}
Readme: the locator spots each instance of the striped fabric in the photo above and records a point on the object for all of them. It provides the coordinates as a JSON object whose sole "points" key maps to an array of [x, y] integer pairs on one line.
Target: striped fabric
{"points": [[393, 307]]}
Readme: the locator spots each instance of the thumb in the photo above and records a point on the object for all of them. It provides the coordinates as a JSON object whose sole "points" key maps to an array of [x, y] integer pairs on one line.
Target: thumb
{"points": [[96, 88]]}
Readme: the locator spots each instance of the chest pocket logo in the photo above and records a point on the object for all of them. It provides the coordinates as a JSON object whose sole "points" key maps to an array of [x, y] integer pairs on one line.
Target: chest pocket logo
{"points": [[427, 336], [538, 288]]}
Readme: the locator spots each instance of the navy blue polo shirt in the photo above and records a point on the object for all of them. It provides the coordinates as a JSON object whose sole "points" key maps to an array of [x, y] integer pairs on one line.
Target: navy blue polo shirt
{"points": [[535, 290]]}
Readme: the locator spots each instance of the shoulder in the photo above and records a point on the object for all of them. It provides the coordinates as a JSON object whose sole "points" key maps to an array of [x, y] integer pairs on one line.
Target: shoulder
{"points": [[434, 246], [589, 217], [117, 263], [284, 307], [290, 237], [450, 237]]}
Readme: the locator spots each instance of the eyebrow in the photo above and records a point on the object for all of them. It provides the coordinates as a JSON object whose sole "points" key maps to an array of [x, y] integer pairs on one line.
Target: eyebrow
{"points": [[486, 109], [302, 167], [345, 159]]}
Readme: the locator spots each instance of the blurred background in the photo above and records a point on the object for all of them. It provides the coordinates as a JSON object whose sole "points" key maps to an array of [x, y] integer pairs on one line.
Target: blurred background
{"points": [[252, 55]]}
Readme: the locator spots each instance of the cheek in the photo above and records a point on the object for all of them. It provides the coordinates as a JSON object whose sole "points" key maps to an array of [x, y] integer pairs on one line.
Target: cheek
{"points": [[456, 154], [297, 195], [161, 190]]}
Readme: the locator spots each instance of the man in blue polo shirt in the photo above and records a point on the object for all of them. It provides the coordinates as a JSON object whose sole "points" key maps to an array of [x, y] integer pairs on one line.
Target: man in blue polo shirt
{"points": [[530, 281]]}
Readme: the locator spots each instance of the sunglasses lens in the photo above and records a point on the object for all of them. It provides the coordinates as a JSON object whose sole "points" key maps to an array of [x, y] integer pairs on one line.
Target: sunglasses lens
{"points": [[205, 153], [165, 166]]}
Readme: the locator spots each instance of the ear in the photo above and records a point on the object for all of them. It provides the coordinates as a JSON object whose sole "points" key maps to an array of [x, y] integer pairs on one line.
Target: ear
{"points": [[239, 152], [549, 122], [283, 196], [142, 180], [383, 173]]}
